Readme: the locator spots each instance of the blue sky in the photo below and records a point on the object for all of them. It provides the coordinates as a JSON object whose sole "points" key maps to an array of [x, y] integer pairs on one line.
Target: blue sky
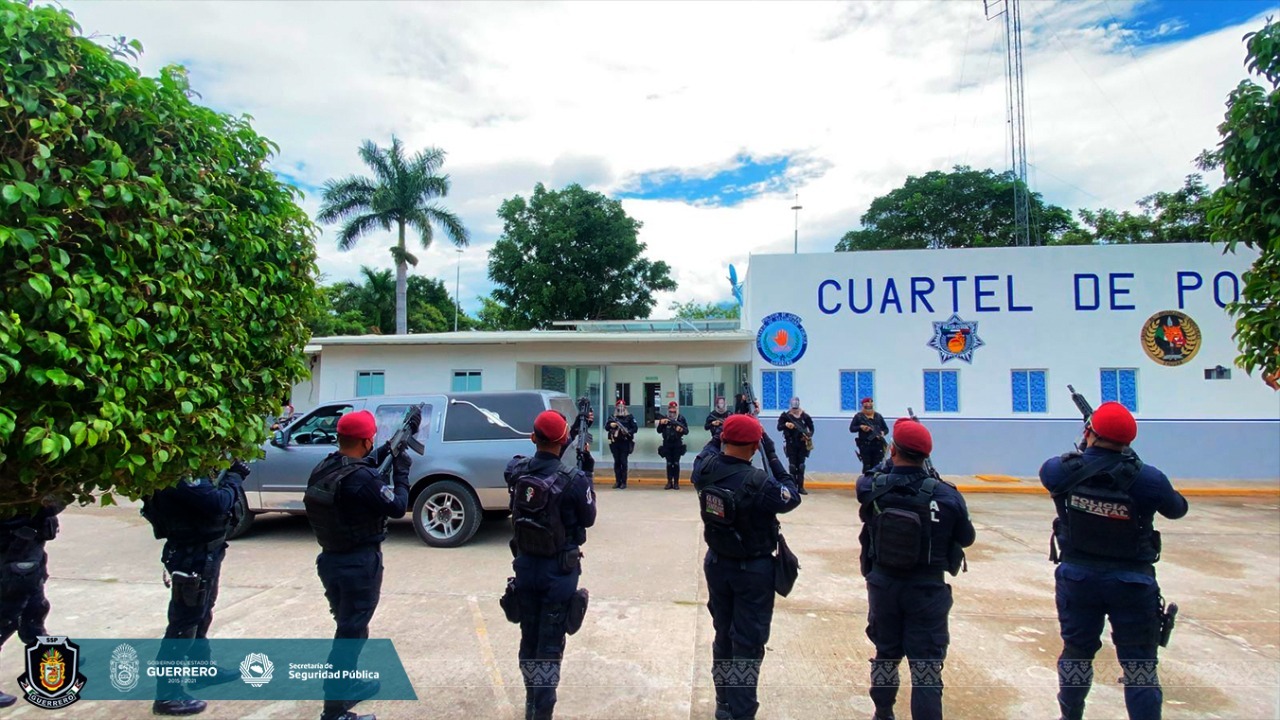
{"points": [[744, 177], [1166, 21]]}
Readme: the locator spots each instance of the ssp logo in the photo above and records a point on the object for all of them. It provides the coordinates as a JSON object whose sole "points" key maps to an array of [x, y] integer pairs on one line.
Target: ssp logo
{"points": [[53, 678]]}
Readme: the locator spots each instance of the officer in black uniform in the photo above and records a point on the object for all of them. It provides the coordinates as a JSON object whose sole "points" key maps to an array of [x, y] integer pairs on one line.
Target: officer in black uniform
{"points": [[552, 505], [1107, 547], [673, 428], [622, 442], [739, 506], [193, 518], [348, 504], [715, 419], [797, 439], [588, 461], [914, 528], [870, 428], [24, 568]]}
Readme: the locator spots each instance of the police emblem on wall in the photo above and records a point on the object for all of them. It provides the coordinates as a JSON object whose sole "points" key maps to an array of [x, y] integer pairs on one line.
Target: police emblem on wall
{"points": [[1170, 338], [955, 339], [53, 678], [781, 339]]}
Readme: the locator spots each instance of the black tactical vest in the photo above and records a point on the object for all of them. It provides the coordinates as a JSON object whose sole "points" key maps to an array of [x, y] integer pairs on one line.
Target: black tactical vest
{"points": [[333, 530], [901, 521], [171, 520], [726, 514], [536, 516], [1098, 523]]}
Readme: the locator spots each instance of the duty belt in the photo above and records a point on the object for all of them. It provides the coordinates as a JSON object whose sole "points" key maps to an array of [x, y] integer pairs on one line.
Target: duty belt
{"points": [[927, 574]]}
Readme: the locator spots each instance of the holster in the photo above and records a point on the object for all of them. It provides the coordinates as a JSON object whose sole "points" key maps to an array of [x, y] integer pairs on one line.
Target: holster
{"points": [[570, 560], [955, 560], [510, 605], [577, 611], [49, 530], [188, 587], [24, 546]]}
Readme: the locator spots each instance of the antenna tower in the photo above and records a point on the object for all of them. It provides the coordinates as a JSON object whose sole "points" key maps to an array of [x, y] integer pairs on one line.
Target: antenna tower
{"points": [[1015, 96]]}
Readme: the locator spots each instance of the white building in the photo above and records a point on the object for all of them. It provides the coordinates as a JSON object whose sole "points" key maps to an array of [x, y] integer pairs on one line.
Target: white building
{"points": [[981, 343]]}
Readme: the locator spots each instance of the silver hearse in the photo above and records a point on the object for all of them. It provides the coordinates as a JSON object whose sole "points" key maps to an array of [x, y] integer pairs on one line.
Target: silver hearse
{"points": [[469, 439]]}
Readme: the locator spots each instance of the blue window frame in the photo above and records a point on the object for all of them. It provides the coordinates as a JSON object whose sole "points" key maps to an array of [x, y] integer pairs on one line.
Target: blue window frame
{"points": [[369, 383], [1029, 391], [776, 389], [466, 381], [855, 385], [942, 391], [1120, 385]]}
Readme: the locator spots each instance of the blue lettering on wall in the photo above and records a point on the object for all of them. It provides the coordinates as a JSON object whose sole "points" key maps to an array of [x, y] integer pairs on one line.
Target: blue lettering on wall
{"points": [[822, 305], [853, 305], [1097, 301], [1184, 276], [955, 281], [1217, 288], [1117, 291], [921, 294], [979, 293], [1013, 304], [890, 296]]}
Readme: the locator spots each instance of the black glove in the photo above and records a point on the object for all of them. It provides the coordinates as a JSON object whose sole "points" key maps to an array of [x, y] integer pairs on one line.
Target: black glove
{"points": [[401, 465], [770, 451], [414, 419], [240, 468]]}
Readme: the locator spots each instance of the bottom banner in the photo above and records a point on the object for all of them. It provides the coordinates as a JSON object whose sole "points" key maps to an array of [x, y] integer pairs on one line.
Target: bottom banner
{"points": [[262, 669]]}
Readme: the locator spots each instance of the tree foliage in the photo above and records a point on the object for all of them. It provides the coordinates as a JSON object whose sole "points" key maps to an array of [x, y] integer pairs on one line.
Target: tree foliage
{"points": [[959, 209], [571, 254], [1164, 217], [368, 307], [1246, 209], [400, 195], [708, 311], [154, 273]]}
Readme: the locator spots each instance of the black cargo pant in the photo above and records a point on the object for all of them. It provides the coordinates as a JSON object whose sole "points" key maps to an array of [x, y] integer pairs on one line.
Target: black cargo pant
{"points": [[908, 617], [23, 605], [872, 453], [740, 598], [352, 585], [543, 591], [672, 454], [796, 455], [194, 572], [620, 455]]}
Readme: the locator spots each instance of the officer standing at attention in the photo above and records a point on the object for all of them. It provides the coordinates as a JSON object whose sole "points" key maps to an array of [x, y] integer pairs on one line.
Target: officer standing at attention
{"points": [[797, 438], [739, 507], [1107, 547], [914, 525], [673, 428], [193, 518], [870, 428], [622, 442], [23, 572], [715, 419], [348, 504], [552, 505]]}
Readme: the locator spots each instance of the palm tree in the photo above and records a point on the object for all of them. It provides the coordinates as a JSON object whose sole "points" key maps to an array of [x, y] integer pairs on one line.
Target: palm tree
{"points": [[401, 194]]}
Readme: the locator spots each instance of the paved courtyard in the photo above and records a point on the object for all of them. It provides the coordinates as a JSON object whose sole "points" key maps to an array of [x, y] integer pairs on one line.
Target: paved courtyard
{"points": [[644, 651]]}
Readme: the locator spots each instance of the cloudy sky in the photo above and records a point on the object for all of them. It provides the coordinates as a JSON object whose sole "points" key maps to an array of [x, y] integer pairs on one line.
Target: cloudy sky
{"points": [[704, 118]]}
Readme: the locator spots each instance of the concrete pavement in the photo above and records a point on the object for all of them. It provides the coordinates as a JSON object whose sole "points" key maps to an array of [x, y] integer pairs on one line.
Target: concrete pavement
{"points": [[644, 651]]}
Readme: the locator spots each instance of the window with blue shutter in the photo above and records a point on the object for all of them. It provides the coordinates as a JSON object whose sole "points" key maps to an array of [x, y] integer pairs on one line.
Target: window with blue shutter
{"points": [[941, 391], [855, 385], [1120, 385], [1029, 391], [369, 383], [466, 380], [776, 389]]}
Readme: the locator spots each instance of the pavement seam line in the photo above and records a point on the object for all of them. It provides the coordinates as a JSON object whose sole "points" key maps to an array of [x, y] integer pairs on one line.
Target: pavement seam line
{"points": [[490, 661]]}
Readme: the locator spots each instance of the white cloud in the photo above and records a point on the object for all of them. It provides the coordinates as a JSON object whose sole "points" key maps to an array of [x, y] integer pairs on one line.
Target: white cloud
{"points": [[599, 92]]}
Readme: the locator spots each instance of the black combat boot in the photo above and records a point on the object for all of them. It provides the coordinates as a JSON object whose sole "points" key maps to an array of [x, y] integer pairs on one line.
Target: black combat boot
{"points": [[6, 699], [185, 706]]}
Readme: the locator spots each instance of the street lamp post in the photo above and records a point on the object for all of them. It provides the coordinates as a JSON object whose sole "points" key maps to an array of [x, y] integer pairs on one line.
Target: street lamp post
{"points": [[457, 283], [797, 207]]}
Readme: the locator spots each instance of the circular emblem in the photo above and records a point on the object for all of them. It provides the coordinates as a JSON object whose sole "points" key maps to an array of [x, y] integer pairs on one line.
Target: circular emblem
{"points": [[781, 339], [1170, 338]]}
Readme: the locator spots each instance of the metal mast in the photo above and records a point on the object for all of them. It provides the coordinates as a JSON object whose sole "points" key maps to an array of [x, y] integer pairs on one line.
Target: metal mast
{"points": [[1015, 96]]}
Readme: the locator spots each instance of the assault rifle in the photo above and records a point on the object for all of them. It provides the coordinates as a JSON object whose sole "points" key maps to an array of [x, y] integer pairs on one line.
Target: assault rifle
{"points": [[928, 462], [580, 442], [618, 432], [755, 411], [1086, 410], [403, 439]]}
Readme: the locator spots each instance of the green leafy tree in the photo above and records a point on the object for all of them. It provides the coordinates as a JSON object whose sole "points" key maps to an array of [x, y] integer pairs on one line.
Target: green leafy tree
{"points": [[571, 254], [155, 275], [1246, 209], [1165, 217], [400, 195], [958, 209], [493, 315], [699, 311], [367, 307]]}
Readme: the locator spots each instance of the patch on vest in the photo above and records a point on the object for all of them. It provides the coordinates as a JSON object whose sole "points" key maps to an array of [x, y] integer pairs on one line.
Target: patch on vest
{"points": [[715, 506], [387, 493], [1101, 508]]}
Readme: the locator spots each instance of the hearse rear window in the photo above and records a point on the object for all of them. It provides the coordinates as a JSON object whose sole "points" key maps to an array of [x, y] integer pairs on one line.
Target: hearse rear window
{"points": [[513, 416]]}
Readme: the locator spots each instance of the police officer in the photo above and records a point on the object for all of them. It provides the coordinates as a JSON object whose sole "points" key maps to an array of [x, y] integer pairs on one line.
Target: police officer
{"points": [[552, 505], [673, 428], [193, 518], [914, 526], [622, 442], [1106, 547], [797, 436], [24, 568], [870, 428], [348, 505], [715, 418], [739, 508]]}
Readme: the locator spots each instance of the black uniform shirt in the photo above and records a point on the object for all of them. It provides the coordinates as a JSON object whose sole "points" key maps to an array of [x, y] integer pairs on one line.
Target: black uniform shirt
{"points": [[668, 431], [868, 428], [803, 424], [949, 516], [578, 505], [364, 497], [777, 495]]}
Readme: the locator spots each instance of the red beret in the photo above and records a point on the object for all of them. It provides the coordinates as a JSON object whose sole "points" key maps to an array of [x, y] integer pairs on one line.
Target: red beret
{"points": [[1113, 421], [360, 425], [866, 400], [672, 404], [552, 426], [910, 435], [741, 430]]}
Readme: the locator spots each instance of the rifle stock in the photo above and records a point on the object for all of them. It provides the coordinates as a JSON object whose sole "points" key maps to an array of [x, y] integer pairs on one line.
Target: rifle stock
{"points": [[402, 439]]}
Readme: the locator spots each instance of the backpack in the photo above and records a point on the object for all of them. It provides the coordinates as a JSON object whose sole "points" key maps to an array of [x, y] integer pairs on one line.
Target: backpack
{"points": [[1101, 516], [535, 513], [901, 538]]}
